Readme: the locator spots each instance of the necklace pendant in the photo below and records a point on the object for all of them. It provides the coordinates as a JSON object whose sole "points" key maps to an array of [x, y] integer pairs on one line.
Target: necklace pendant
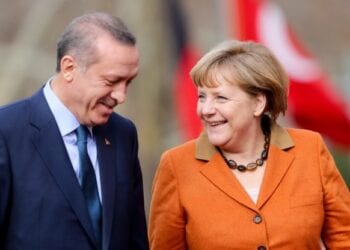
{"points": [[232, 164], [259, 162], [252, 166], [241, 168], [264, 154]]}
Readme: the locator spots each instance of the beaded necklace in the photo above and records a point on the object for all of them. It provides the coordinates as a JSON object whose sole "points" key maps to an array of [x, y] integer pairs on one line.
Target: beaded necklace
{"points": [[253, 165]]}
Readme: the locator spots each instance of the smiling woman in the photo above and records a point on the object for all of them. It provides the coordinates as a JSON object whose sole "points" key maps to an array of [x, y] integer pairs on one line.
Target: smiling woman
{"points": [[245, 176], [226, 111]]}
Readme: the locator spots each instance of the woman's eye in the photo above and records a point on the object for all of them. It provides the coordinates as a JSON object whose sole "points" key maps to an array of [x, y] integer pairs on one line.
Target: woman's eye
{"points": [[222, 98], [201, 97]]}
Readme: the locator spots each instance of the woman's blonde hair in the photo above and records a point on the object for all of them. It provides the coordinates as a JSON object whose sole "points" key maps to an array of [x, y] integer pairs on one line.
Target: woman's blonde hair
{"points": [[251, 66]]}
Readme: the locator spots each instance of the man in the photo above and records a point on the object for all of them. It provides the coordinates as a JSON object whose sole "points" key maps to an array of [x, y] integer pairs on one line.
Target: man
{"points": [[56, 190]]}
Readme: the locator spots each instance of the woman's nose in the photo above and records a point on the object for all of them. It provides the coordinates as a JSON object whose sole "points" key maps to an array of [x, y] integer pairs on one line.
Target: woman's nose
{"points": [[208, 107]]}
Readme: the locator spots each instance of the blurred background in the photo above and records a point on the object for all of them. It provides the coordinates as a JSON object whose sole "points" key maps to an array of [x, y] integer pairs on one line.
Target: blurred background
{"points": [[311, 38]]}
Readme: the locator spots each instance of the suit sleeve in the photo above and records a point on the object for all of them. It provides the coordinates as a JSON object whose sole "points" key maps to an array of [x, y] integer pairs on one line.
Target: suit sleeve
{"points": [[167, 217], [336, 229], [4, 188], [139, 227]]}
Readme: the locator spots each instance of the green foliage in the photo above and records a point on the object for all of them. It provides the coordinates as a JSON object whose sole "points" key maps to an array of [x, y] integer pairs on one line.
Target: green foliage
{"points": [[343, 163]]}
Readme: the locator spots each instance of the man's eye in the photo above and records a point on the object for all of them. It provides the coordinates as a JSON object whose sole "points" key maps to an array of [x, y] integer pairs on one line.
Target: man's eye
{"points": [[112, 81]]}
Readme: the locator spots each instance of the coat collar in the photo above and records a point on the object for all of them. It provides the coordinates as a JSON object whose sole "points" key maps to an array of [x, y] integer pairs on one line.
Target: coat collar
{"points": [[278, 163], [279, 137]]}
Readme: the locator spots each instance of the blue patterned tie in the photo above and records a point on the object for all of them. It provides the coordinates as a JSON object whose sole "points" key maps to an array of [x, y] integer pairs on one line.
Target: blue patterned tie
{"points": [[89, 184]]}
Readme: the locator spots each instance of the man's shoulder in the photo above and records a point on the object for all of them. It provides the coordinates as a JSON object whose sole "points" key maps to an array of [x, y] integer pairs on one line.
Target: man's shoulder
{"points": [[120, 121], [15, 106], [12, 117], [19, 105], [15, 113], [119, 125]]}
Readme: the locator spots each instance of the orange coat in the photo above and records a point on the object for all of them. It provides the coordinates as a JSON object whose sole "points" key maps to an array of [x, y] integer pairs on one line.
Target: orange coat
{"points": [[198, 203]]}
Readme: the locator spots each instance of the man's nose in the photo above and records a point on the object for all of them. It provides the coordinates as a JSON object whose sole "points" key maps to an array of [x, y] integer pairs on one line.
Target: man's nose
{"points": [[119, 92]]}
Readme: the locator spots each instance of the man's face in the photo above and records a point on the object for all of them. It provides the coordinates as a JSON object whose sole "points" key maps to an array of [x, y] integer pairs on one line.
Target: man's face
{"points": [[103, 85]]}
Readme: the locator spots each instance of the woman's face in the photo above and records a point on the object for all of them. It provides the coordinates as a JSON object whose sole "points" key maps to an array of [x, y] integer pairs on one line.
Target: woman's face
{"points": [[228, 113]]}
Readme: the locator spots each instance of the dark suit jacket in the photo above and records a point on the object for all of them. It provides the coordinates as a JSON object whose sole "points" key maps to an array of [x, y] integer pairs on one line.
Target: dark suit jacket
{"points": [[41, 203]]}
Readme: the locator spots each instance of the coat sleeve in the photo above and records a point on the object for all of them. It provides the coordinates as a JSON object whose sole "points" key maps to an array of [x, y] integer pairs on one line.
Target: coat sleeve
{"points": [[4, 188], [167, 216], [336, 229]]}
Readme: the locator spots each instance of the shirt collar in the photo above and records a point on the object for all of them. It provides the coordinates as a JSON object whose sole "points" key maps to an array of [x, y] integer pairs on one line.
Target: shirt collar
{"points": [[279, 137], [65, 119]]}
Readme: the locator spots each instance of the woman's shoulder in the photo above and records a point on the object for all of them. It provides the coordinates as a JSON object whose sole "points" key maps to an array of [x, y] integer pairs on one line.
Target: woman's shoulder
{"points": [[303, 134], [179, 158], [286, 138], [181, 149], [306, 141]]}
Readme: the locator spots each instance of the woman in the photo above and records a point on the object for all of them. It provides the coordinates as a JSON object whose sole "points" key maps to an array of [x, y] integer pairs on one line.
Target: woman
{"points": [[246, 182]]}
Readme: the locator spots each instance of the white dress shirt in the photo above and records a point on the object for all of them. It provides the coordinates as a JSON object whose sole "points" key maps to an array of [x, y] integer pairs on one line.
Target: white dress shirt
{"points": [[67, 124]]}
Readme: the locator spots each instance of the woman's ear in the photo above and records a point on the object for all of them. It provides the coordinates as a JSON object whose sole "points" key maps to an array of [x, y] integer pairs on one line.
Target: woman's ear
{"points": [[260, 101]]}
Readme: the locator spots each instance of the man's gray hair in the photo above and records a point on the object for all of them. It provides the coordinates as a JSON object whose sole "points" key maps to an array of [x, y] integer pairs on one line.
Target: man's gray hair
{"points": [[79, 37]]}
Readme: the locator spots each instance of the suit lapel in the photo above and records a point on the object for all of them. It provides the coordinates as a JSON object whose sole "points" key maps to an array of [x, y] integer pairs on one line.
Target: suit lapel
{"points": [[277, 166], [221, 176], [107, 154], [48, 142]]}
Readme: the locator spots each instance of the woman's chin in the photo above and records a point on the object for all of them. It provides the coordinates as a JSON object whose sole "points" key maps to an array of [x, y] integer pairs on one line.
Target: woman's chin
{"points": [[217, 141]]}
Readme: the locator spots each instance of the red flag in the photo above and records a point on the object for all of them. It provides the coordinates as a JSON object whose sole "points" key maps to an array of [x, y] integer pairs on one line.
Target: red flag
{"points": [[186, 95], [185, 92], [313, 101]]}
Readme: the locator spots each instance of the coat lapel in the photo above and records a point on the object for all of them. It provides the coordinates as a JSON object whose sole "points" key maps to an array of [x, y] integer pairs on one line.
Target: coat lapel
{"points": [[221, 176], [277, 166], [48, 142], [107, 154], [278, 163]]}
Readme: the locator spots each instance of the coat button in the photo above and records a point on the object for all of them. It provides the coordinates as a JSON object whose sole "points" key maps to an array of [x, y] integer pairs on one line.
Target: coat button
{"points": [[261, 248], [257, 219]]}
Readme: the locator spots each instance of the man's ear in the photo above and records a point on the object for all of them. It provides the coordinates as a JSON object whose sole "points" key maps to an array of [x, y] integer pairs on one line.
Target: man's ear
{"points": [[68, 67], [260, 101]]}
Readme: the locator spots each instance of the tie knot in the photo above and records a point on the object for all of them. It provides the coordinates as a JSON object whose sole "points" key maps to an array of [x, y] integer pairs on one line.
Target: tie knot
{"points": [[82, 133]]}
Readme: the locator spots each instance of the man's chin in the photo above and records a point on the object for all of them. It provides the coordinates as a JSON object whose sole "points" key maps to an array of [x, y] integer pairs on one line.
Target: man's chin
{"points": [[100, 120]]}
